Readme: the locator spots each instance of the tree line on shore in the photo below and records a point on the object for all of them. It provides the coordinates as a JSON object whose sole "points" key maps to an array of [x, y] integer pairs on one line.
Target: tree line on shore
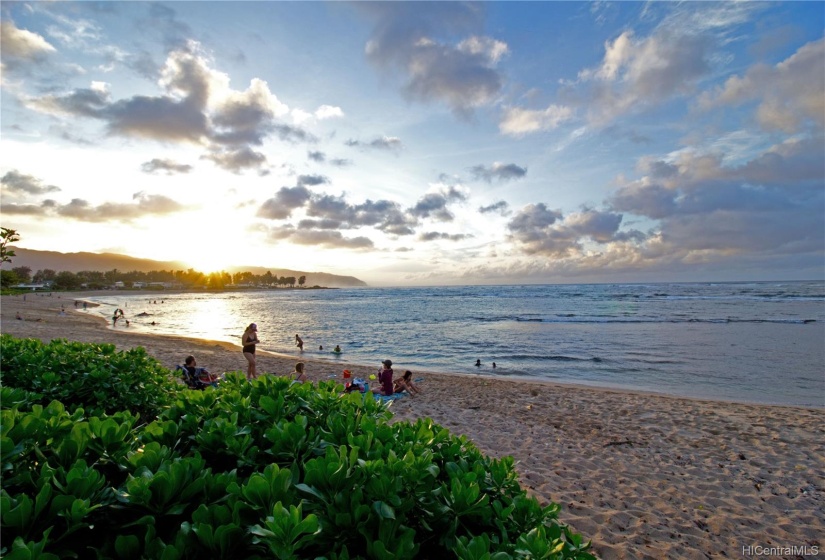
{"points": [[191, 278]]}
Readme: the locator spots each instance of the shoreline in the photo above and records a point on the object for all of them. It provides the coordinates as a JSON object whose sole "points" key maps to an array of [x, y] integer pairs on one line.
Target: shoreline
{"points": [[342, 363], [642, 474]]}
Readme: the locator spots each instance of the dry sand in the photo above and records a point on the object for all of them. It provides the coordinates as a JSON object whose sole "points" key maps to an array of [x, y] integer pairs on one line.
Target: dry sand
{"points": [[642, 475]]}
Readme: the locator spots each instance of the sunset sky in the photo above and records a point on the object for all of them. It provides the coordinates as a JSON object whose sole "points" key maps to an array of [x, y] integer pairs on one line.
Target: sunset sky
{"points": [[422, 143]]}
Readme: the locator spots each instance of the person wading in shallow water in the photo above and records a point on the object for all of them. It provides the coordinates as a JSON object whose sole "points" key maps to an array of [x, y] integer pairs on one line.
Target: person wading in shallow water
{"points": [[249, 340]]}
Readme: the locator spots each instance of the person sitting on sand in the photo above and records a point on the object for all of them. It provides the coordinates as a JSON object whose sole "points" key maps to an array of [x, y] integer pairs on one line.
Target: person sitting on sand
{"points": [[248, 340], [19, 317], [298, 375], [385, 379], [299, 342], [200, 373], [406, 384]]}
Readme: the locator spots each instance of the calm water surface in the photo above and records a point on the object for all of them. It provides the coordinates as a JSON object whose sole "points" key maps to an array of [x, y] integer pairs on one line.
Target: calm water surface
{"points": [[758, 342]]}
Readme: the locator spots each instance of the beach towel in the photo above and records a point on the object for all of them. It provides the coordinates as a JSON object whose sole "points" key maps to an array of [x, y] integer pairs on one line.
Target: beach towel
{"points": [[393, 397]]}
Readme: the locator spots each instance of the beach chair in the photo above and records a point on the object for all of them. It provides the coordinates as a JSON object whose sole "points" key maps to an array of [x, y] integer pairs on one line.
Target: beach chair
{"points": [[193, 380]]}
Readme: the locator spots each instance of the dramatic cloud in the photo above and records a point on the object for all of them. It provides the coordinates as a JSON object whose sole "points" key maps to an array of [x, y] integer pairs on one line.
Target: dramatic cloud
{"points": [[286, 200], [247, 117], [434, 205], [15, 183], [167, 166], [500, 207], [636, 73], [460, 74], [197, 107], [388, 143], [539, 231], [498, 171], [769, 204], [790, 94], [384, 215]]}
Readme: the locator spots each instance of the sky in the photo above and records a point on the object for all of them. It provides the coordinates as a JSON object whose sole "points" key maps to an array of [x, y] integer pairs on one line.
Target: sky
{"points": [[414, 143]]}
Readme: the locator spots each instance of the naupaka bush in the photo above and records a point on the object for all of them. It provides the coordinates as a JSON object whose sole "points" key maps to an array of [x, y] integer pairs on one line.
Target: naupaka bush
{"points": [[267, 469]]}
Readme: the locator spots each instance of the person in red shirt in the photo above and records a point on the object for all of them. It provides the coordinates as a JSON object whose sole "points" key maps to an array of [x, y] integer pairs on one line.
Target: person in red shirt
{"points": [[385, 379]]}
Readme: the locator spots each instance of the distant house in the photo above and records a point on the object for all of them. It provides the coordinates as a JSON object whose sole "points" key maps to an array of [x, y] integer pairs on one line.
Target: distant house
{"points": [[138, 285], [119, 285], [163, 285], [34, 287]]}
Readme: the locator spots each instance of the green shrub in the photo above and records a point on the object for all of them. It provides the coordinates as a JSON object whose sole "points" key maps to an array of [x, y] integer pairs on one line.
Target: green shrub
{"points": [[267, 469], [94, 376]]}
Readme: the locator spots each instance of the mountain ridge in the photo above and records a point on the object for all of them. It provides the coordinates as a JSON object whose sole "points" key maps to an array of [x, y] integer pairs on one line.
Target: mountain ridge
{"points": [[80, 261]]}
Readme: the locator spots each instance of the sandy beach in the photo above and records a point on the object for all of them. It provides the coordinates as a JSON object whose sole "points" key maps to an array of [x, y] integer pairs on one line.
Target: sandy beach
{"points": [[642, 475]]}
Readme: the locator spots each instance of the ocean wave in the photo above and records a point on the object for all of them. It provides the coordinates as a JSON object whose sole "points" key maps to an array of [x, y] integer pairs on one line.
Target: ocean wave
{"points": [[553, 358]]}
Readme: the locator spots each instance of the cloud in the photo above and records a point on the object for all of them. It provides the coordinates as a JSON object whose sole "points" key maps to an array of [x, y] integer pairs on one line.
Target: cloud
{"points": [[197, 106], [320, 238], [637, 73], [389, 143], [326, 212], [768, 205], [19, 46], [167, 166], [293, 134], [81, 210], [421, 45], [247, 117], [435, 235], [321, 157], [384, 215], [15, 183], [500, 207], [238, 160], [13, 208], [434, 205], [789, 94], [498, 171], [328, 112], [323, 112], [286, 200], [312, 180], [517, 121], [536, 230]]}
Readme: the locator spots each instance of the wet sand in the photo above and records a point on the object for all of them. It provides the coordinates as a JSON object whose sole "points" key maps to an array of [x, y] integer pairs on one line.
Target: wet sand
{"points": [[642, 475]]}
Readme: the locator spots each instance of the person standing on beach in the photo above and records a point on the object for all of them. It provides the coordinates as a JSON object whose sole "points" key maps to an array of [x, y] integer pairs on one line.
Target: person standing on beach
{"points": [[299, 342], [249, 340], [385, 379]]}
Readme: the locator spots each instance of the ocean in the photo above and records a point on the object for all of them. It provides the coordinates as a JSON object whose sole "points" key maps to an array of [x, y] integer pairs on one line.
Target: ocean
{"points": [[760, 342]]}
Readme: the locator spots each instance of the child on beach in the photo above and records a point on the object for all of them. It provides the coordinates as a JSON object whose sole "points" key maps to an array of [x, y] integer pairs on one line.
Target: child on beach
{"points": [[299, 342]]}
